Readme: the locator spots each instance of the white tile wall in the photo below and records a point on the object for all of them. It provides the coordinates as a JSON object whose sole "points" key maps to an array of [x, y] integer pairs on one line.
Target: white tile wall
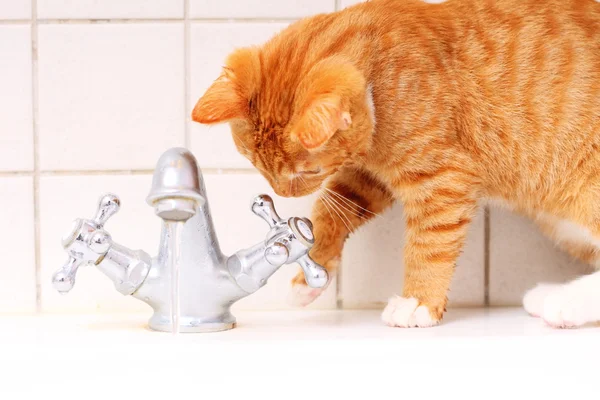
{"points": [[210, 45], [16, 131], [259, 8], [112, 95], [17, 245], [346, 3], [15, 9], [94, 9]]}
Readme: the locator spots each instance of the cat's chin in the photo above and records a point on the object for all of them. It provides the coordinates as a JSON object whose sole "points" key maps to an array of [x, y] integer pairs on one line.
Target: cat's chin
{"points": [[303, 193]]}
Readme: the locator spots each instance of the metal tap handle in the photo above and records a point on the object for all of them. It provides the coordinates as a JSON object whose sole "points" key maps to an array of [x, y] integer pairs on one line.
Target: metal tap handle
{"points": [[86, 243], [316, 276], [64, 279], [108, 206], [263, 207]]}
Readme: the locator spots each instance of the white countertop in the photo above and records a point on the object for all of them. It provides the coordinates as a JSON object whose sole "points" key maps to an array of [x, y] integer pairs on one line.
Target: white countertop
{"points": [[298, 354]]}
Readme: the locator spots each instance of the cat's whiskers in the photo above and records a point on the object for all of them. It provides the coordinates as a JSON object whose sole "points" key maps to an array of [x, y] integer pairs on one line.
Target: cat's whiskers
{"points": [[326, 199], [349, 225], [305, 185], [347, 200], [347, 208], [329, 211]]}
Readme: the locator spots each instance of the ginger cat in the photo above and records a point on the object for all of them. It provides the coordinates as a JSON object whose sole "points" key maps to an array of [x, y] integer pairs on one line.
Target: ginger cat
{"points": [[441, 107]]}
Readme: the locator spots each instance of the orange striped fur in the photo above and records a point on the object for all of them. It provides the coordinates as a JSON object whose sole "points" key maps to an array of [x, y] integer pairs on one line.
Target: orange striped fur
{"points": [[471, 100]]}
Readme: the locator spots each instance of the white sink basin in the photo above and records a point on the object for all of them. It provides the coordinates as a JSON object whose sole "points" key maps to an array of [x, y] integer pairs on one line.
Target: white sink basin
{"points": [[299, 354]]}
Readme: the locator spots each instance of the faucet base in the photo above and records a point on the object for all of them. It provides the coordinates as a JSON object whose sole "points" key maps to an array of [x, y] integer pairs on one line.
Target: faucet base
{"points": [[188, 324]]}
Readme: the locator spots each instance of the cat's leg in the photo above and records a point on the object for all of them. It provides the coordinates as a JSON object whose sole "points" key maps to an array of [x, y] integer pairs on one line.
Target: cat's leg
{"points": [[437, 222], [351, 198]]}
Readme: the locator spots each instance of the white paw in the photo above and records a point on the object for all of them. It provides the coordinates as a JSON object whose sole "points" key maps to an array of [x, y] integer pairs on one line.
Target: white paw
{"points": [[302, 295], [406, 313], [533, 301], [565, 308]]}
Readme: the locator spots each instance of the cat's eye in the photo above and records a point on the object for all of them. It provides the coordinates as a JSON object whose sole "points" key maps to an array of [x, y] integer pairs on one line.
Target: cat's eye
{"points": [[315, 171]]}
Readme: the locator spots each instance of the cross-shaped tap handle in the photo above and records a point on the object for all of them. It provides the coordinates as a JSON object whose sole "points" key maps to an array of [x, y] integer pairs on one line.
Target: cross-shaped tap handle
{"points": [[86, 243], [263, 207], [290, 241]]}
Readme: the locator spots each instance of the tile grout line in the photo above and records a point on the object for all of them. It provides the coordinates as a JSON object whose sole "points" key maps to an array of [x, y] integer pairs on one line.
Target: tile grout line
{"points": [[214, 171], [36, 157], [339, 298], [11, 174], [486, 259], [187, 71], [15, 21], [338, 5]]}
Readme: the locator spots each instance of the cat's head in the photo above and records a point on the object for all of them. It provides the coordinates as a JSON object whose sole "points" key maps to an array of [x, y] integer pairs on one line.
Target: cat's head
{"points": [[297, 123]]}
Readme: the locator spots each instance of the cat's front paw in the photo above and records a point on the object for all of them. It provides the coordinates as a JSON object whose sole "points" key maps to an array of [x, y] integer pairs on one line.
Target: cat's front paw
{"points": [[405, 312], [301, 294]]}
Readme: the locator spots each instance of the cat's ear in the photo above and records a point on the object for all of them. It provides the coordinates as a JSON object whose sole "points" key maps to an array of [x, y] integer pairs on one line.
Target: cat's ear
{"points": [[324, 101], [321, 120], [222, 102], [228, 97]]}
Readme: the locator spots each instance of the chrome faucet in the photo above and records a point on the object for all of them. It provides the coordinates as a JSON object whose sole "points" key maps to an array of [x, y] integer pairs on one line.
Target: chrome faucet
{"points": [[210, 283]]}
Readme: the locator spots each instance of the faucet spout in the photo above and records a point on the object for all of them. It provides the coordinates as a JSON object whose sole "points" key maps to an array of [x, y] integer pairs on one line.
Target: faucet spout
{"points": [[177, 186]]}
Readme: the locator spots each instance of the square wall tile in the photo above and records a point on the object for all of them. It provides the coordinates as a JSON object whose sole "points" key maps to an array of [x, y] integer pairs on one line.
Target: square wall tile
{"points": [[16, 133], [65, 198], [373, 268], [17, 286], [230, 197], [110, 9], [15, 9], [347, 3], [111, 96], [521, 257], [211, 43], [259, 8]]}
